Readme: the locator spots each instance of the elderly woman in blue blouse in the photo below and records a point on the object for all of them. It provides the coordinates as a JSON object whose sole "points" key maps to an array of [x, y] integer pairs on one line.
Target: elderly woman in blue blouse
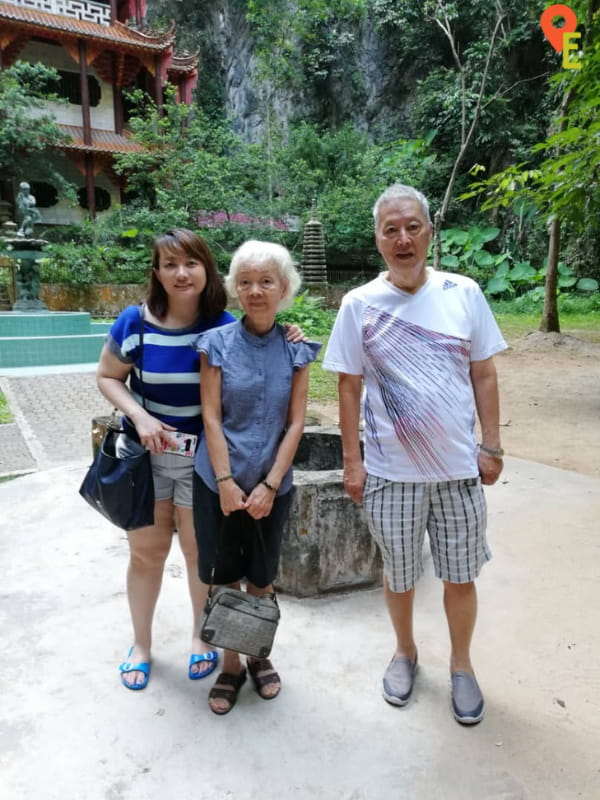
{"points": [[254, 387]]}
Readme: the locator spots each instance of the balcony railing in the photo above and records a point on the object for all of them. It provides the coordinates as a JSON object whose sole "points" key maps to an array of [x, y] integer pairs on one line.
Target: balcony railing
{"points": [[85, 10]]}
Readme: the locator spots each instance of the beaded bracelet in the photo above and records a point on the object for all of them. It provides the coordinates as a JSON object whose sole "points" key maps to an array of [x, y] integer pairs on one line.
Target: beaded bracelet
{"points": [[224, 478], [266, 483]]}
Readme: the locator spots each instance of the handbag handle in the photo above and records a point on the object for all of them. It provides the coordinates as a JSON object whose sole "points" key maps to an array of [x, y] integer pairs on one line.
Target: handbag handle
{"points": [[113, 424], [259, 531], [142, 391], [141, 333]]}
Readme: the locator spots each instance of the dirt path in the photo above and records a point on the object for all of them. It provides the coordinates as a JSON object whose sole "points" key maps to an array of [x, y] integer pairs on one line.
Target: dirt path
{"points": [[549, 399]]}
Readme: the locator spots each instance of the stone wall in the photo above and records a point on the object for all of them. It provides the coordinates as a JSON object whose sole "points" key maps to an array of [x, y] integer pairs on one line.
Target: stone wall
{"points": [[106, 300]]}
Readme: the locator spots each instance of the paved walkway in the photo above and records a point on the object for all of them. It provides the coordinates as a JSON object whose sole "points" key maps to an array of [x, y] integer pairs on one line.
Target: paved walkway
{"points": [[70, 731], [53, 413]]}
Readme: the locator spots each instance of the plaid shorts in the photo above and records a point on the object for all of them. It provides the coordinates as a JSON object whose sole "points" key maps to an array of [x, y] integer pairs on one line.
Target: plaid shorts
{"points": [[453, 513]]}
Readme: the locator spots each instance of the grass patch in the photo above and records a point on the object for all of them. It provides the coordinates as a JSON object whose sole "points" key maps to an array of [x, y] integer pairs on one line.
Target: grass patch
{"points": [[11, 477], [583, 326], [5, 415], [323, 384]]}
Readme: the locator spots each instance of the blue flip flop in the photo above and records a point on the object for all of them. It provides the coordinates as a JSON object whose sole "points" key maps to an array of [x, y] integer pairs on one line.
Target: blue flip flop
{"points": [[196, 658], [127, 666]]}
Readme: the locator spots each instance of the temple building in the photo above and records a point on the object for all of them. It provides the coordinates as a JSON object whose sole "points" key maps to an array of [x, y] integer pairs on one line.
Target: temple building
{"points": [[100, 49]]}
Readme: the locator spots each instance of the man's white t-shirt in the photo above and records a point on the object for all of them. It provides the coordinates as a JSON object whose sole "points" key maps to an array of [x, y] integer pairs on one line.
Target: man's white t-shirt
{"points": [[414, 353]]}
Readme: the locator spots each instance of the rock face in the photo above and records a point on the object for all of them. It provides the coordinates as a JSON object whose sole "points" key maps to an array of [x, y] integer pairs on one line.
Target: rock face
{"points": [[361, 77]]}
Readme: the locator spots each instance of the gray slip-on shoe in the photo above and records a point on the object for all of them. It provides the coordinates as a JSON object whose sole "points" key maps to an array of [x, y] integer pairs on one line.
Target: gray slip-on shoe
{"points": [[398, 680], [467, 700]]}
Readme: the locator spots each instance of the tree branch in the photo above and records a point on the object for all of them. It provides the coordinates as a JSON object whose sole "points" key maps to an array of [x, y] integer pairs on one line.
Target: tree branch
{"points": [[512, 86], [440, 215]]}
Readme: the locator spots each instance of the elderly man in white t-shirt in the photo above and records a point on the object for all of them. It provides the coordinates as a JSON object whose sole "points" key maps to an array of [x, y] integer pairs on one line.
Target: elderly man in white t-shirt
{"points": [[422, 342]]}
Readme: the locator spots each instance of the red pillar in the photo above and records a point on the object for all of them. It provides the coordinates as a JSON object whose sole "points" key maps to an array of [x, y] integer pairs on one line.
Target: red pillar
{"points": [[87, 129]]}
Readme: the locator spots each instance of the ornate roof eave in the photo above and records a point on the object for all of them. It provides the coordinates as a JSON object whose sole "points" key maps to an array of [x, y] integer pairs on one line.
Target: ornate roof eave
{"points": [[186, 62], [54, 26], [103, 142]]}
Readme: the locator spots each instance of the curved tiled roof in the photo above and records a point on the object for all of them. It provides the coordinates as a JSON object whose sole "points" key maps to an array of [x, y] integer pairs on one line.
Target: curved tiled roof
{"points": [[54, 25], [187, 62], [102, 141]]}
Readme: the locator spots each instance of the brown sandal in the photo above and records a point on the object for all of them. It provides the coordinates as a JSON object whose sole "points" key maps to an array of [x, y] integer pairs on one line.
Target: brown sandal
{"points": [[260, 681], [226, 687]]}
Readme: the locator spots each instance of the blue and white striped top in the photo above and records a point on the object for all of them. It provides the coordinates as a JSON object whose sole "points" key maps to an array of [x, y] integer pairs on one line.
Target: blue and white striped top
{"points": [[171, 366]]}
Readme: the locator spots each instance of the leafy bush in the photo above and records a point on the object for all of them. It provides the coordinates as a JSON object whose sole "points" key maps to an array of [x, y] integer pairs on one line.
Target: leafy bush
{"points": [[523, 278], [79, 263], [308, 312], [531, 303], [464, 251]]}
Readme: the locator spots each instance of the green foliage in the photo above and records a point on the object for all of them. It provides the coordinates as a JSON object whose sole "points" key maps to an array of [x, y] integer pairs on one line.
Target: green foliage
{"points": [[310, 43], [189, 163], [464, 251], [79, 264], [345, 172], [307, 311], [5, 414], [522, 277], [585, 308], [94, 254], [26, 133], [560, 185], [192, 164]]}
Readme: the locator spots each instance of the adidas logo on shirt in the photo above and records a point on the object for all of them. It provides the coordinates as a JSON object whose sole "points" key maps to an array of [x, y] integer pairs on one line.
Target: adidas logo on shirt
{"points": [[448, 285]]}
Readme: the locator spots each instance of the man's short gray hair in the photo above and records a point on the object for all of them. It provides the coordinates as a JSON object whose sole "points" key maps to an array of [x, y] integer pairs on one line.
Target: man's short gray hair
{"points": [[265, 254], [399, 191]]}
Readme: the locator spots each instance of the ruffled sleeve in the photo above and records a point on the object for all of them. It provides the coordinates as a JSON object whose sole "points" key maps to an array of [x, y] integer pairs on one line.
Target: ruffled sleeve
{"points": [[211, 343], [303, 353]]}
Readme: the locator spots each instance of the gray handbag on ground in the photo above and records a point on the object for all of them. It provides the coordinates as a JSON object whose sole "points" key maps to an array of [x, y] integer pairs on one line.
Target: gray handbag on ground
{"points": [[236, 620]]}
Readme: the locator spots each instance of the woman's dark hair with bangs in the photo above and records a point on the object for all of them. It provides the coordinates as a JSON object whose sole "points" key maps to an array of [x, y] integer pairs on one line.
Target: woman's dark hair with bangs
{"points": [[213, 299]]}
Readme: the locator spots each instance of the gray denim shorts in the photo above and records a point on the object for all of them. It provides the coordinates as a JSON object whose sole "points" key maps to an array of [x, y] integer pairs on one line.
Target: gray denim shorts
{"points": [[173, 474]]}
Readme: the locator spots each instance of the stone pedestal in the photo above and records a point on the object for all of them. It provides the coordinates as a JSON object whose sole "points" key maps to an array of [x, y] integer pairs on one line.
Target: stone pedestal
{"points": [[326, 545], [26, 252]]}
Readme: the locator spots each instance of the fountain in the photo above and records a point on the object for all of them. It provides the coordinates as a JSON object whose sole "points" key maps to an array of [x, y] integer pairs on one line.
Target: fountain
{"points": [[30, 335], [26, 250]]}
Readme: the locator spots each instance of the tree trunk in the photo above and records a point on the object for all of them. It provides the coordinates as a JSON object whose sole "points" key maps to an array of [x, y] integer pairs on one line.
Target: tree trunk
{"points": [[437, 239], [549, 323]]}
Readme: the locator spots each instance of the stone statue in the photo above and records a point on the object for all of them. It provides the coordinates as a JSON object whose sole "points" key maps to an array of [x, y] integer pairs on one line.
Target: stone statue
{"points": [[27, 212], [25, 250]]}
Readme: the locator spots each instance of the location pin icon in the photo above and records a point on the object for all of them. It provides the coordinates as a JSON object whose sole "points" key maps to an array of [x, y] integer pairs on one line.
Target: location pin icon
{"points": [[556, 35]]}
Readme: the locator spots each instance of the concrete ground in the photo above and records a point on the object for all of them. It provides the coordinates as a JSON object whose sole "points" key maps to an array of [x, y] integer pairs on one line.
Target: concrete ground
{"points": [[69, 730]]}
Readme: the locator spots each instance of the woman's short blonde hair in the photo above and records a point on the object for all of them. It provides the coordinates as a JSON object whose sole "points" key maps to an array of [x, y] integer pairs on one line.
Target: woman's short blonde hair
{"points": [[262, 255]]}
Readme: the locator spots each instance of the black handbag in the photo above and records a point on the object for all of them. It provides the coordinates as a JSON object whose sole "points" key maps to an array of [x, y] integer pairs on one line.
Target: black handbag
{"points": [[236, 620], [121, 488]]}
